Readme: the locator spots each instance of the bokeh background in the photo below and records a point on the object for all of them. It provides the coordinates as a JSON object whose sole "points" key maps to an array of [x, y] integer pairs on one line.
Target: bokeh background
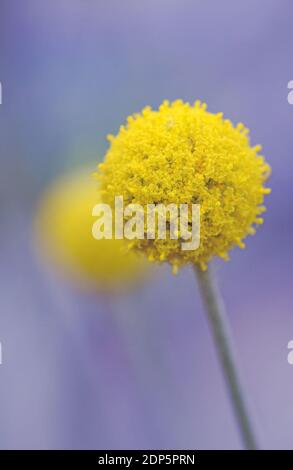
{"points": [[139, 371]]}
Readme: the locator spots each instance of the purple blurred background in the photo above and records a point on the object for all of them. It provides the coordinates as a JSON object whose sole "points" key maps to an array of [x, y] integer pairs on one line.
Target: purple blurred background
{"points": [[139, 371]]}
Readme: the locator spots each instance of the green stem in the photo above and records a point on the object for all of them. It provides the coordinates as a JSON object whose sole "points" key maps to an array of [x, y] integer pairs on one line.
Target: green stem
{"points": [[215, 309]]}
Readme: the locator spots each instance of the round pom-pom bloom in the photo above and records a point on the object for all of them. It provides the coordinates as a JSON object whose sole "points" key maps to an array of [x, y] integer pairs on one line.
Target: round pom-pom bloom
{"points": [[64, 233], [183, 154]]}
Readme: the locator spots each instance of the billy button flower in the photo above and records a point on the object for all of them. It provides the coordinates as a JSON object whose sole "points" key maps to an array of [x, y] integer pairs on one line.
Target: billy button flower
{"points": [[64, 233], [183, 154]]}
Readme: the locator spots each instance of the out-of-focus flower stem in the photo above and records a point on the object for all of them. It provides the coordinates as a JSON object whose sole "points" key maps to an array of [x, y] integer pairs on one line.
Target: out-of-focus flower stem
{"points": [[216, 313]]}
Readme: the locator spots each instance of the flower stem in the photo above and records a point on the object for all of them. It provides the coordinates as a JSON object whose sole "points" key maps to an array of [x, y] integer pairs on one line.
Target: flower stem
{"points": [[216, 313]]}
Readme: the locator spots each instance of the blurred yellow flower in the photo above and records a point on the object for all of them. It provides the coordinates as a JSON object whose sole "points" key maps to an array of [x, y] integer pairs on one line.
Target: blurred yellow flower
{"points": [[183, 154], [64, 231]]}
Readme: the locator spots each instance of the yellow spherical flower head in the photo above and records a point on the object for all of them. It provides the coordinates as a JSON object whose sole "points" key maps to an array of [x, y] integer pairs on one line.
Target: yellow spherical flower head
{"points": [[183, 154], [64, 230]]}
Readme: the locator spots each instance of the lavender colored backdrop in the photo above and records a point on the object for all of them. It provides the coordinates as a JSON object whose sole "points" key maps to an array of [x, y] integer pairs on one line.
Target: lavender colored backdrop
{"points": [[140, 370]]}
